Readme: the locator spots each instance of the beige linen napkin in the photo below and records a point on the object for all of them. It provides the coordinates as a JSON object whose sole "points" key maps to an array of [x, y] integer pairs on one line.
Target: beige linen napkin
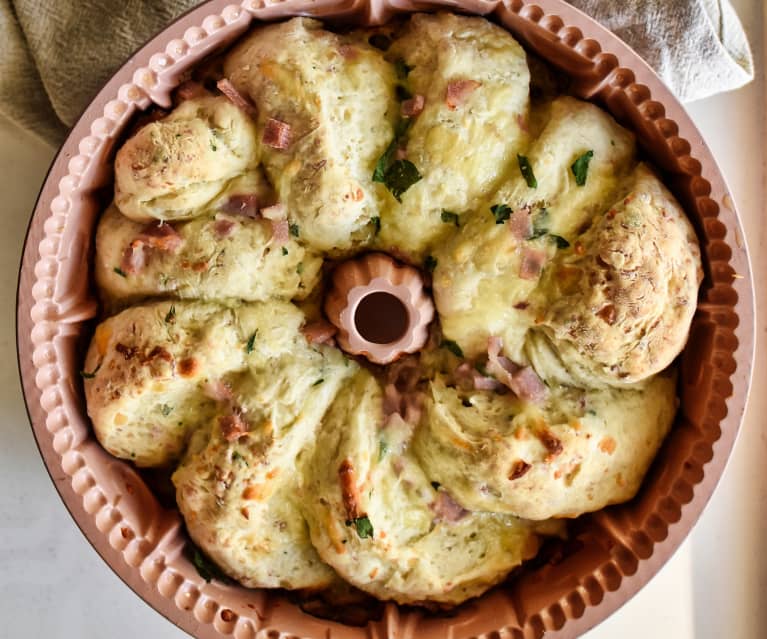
{"points": [[56, 54]]}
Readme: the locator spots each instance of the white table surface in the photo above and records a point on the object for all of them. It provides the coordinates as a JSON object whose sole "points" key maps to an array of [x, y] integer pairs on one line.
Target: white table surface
{"points": [[53, 585]]}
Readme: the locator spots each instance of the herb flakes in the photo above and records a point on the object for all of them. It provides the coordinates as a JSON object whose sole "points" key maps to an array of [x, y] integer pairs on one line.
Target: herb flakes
{"points": [[527, 171], [430, 263], [452, 346], [580, 167], [251, 343], [294, 229], [501, 213], [170, 316], [119, 271], [448, 217], [363, 526], [91, 375]]}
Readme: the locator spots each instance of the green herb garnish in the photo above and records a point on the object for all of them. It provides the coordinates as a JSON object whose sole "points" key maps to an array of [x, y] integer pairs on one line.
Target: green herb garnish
{"points": [[430, 263], [319, 381], [236, 456], [294, 230], [501, 212], [299, 268], [119, 271], [527, 171], [561, 242], [284, 251], [213, 147], [580, 167], [383, 448], [376, 224], [540, 224], [452, 347], [166, 410], [87, 375], [363, 526], [251, 343], [400, 176], [206, 568], [448, 217], [170, 316]]}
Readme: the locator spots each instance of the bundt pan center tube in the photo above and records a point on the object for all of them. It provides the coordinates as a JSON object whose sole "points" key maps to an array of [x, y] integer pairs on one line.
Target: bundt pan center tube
{"points": [[612, 553]]}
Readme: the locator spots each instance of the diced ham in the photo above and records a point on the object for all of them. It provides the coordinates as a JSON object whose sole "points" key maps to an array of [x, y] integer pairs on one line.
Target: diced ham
{"points": [[274, 212], [348, 51], [347, 477], [223, 227], [280, 231], [522, 381], [485, 383], [277, 134], [160, 236], [245, 204], [191, 89], [217, 390], [319, 332], [526, 384], [412, 106], [133, 259], [532, 263], [470, 378], [236, 98], [446, 509], [232, 426], [400, 394], [458, 92], [521, 223]]}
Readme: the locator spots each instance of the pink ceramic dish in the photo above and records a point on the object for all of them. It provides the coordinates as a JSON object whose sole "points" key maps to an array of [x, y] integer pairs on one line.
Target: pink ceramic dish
{"points": [[613, 553]]}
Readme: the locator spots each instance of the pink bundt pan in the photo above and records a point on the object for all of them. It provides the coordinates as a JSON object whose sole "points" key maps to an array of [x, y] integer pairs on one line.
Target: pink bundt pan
{"points": [[616, 551]]}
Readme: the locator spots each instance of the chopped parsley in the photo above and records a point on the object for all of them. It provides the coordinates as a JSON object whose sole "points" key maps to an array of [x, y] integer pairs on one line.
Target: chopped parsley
{"points": [[206, 568], [363, 526], [380, 41], [294, 230], [119, 271], [540, 224], [213, 147], [500, 212], [398, 176], [452, 347], [527, 171], [383, 448], [430, 263], [580, 167], [87, 375], [448, 217], [435, 485], [284, 251], [170, 316], [166, 410], [319, 381], [236, 456], [300, 268], [376, 224], [251, 342], [561, 242]]}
